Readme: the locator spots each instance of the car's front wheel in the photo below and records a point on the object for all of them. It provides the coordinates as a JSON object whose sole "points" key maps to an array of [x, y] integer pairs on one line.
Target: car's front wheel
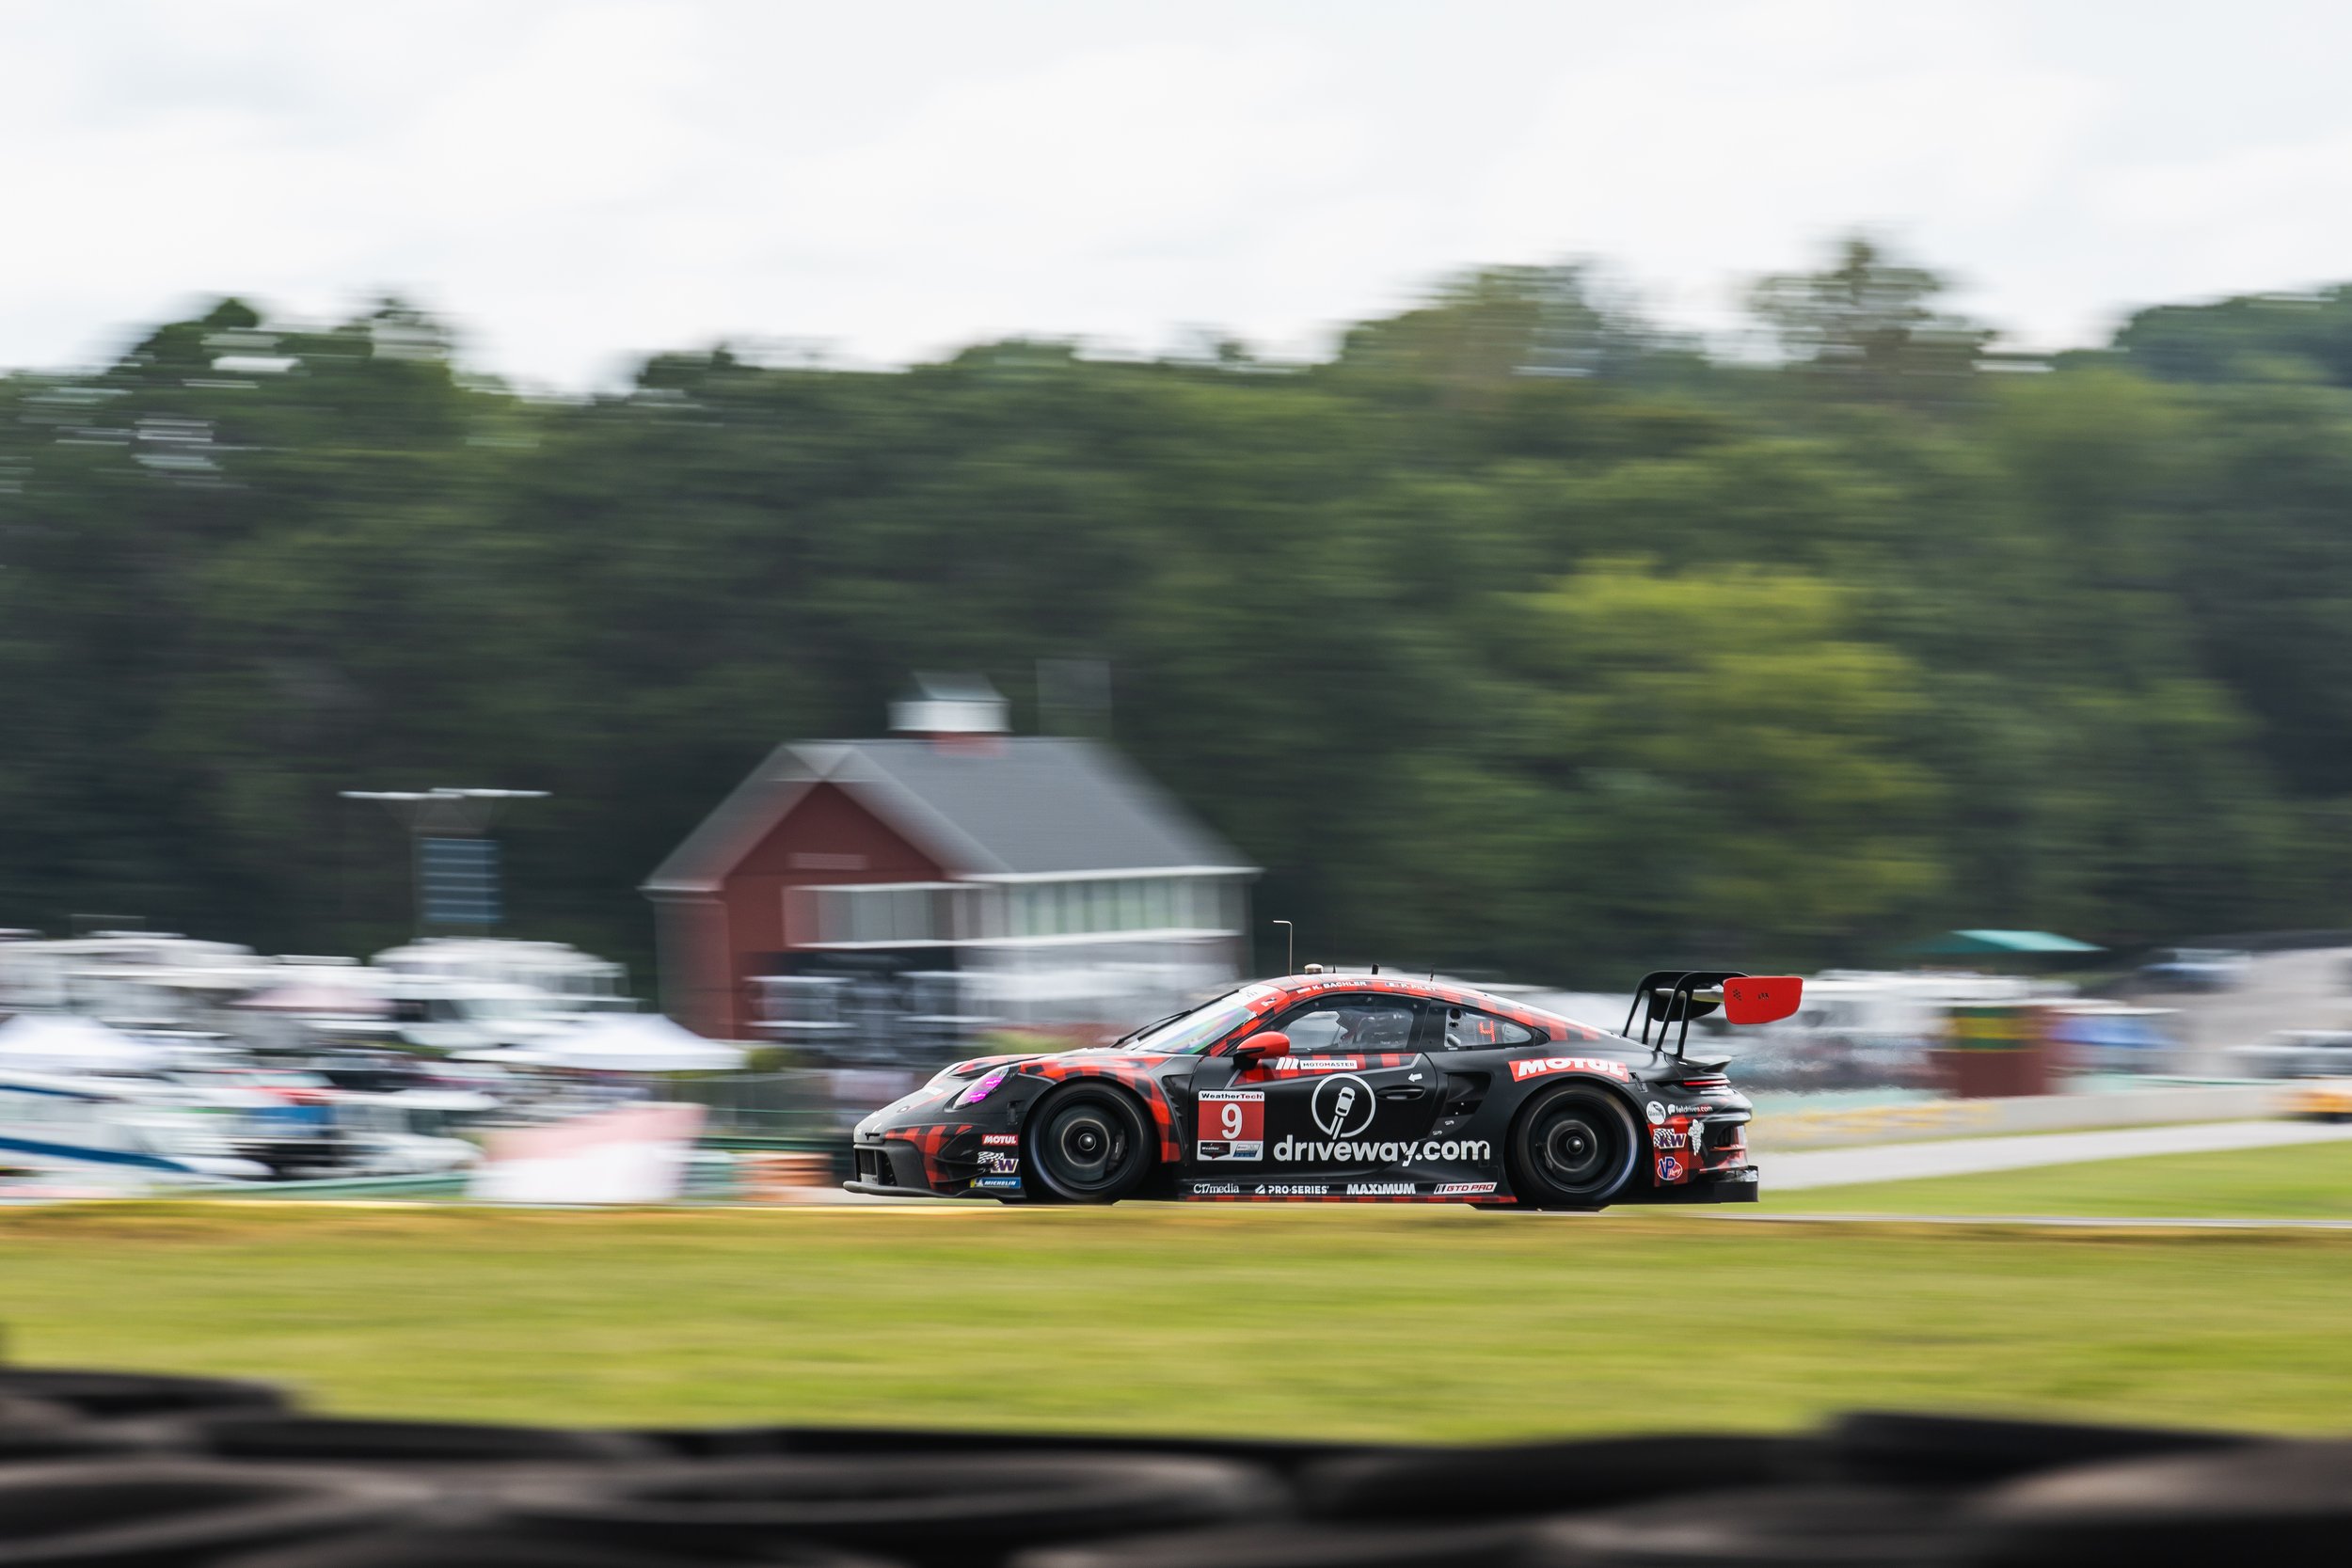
{"points": [[1089, 1145], [1575, 1148]]}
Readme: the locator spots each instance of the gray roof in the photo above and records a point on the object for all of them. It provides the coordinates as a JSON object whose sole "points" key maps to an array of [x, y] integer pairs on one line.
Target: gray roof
{"points": [[1029, 805]]}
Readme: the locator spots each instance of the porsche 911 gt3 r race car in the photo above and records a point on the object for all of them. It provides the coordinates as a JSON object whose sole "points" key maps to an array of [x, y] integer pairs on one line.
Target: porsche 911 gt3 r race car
{"points": [[1345, 1089]]}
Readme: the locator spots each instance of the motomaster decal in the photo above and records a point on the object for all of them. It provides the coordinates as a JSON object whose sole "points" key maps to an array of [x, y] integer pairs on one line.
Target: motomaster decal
{"points": [[1542, 1065], [1232, 1125], [1456, 1189], [1316, 1064], [1000, 1140], [1342, 1151]]}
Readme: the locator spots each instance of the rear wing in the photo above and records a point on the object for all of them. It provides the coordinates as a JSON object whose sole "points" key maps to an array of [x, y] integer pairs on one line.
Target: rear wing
{"points": [[1671, 996]]}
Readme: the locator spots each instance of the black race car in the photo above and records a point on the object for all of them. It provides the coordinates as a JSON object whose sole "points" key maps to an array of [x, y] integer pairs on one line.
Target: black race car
{"points": [[1348, 1088]]}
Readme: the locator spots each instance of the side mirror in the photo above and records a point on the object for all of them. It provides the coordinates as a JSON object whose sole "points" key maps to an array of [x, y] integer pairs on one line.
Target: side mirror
{"points": [[1258, 1049]]}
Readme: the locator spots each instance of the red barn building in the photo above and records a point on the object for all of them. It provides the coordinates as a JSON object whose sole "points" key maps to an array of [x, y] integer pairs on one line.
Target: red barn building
{"points": [[1042, 881]]}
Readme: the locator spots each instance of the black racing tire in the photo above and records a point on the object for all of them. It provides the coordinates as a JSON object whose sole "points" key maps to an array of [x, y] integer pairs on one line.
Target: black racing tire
{"points": [[1286, 1544], [1088, 1144], [926, 1508], [493, 1546], [1893, 1448], [167, 1512], [106, 1395], [1513, 1479], [2289, 1502], [1283, 1456], [271, 1436], [38, 1428], [1574, 1148], [1771, 1526]]}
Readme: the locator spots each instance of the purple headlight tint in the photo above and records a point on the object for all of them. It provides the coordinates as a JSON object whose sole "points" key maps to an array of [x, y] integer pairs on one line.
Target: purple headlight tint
{"points": [[981, 1090]]}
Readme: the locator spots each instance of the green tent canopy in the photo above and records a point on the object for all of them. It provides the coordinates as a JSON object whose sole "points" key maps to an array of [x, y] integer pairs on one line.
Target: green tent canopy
{"points": [[1972, 944]]}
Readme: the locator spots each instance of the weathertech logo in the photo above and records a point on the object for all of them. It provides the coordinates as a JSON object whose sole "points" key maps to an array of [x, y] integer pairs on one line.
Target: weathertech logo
{"points": [[1542, 1065], [1344, 1151]]}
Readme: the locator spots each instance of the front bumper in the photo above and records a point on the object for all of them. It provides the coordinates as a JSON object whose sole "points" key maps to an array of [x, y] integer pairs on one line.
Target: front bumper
{"points": [[934, 1163], [1733, 1184], [878, 1189]]}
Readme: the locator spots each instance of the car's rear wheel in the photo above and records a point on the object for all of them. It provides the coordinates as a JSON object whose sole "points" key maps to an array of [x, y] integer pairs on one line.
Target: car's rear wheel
{"points": [[1575, 1148], [1089, 1145]]}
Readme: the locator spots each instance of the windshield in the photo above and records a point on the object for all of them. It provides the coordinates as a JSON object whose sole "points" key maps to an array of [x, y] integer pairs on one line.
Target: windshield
{"points": [[1188, 1033]]}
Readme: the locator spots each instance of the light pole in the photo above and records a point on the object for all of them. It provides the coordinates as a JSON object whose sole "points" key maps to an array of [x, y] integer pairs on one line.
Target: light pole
{"points": [[454, 865]]}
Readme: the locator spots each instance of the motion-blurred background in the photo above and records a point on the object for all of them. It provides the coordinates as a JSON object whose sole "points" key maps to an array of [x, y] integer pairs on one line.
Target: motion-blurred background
{"points": [[1535, 493]]}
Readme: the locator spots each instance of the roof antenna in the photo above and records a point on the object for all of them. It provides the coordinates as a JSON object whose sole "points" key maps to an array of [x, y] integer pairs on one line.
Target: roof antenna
{"points": [[1290, 946]]}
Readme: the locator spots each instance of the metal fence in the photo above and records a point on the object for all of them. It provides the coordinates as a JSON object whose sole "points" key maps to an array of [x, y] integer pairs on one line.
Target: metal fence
{"points": [[806, 1103]]}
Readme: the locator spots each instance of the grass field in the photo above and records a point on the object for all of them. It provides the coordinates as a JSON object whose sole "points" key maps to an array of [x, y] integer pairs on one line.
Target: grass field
{"points": [[1376, 1322], [2308, 1181]]}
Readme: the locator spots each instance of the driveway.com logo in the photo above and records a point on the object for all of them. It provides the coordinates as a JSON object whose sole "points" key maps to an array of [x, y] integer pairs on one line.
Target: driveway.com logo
{"points": [[1342, 1106]]}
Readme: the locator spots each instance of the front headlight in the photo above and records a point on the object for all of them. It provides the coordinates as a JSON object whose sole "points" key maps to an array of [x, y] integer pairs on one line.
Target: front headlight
{"points": [[981, 1090]]}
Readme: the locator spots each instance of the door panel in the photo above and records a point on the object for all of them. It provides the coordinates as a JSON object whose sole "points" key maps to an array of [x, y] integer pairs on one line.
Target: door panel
{"points": [[1354, 1100]]}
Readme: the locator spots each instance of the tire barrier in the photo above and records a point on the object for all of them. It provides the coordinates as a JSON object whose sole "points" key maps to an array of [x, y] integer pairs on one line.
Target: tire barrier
{"points": [[1796, 1526], [123, 1470], [2260, 1503], [495, 1547], [146, 1512], [1902, 1448], [1285, 1457], [1298, 1545], [1543, 1477], [291, 1436], [933, 1507], [102, 1393]]}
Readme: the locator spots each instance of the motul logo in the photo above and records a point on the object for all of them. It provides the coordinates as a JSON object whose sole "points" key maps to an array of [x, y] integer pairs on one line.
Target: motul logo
{"points": [[1542, 1065]]}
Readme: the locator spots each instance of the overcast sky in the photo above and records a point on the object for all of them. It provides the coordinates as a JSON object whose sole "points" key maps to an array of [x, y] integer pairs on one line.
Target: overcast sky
{"points": [[576, 185]]}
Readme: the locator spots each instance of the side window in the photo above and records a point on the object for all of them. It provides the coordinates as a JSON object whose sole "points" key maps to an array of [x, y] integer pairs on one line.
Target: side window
{"points": [[1468, 1029], [1334, 1025]]}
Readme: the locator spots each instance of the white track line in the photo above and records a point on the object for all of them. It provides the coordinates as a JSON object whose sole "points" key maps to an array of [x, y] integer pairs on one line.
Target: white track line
{"points": [[1843, 1167], [2030, 1222]]}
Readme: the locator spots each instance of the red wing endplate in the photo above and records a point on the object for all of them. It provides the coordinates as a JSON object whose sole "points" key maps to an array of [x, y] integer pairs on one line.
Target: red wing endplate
{"points": [[1762, 998]]}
